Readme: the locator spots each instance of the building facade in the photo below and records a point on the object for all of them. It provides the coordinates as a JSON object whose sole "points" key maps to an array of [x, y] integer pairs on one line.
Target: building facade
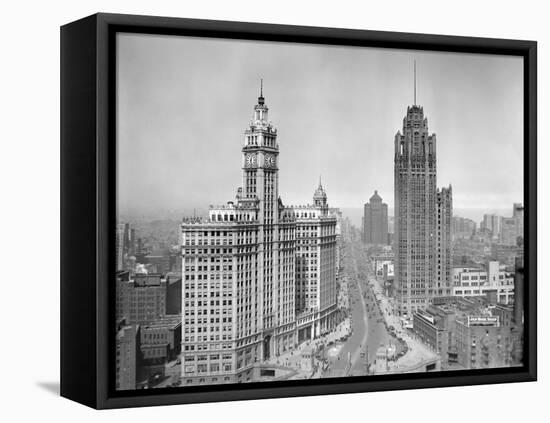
{"points": [[443, 251], [375, 221], [482, 342], [158, 261], [415, 212], [512, 227], [239, 292], [492, 223], [160, 342], [435, 327], [475, 282], [509, 231], [470, 332], [173, 294], [506, 254], [462, 228], [128, 357], [316, 265], [122, 245], [141, 299]]}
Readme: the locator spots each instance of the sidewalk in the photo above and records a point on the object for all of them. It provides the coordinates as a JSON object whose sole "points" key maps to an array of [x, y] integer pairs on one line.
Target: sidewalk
{"points": [[292, 359], [417, 353]]}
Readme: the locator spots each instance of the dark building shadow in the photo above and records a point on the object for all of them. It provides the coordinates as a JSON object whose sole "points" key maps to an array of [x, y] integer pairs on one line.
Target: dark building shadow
{"points": [[51, 387]]}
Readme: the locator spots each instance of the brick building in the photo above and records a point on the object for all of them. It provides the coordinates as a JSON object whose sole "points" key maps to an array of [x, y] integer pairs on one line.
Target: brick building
{"points": [[141, 299]]}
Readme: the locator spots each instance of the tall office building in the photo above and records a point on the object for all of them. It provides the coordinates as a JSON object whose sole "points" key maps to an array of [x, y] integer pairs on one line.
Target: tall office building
{"points": [[512, 227], [125, 246], [462, 228], [316, 264], [415, 212], [492, 223], [509, 231], [238, 269], [128, 357], [517, 210], [422, 217], [132, 245], [375, 221], [443, 254], [122, 244]]}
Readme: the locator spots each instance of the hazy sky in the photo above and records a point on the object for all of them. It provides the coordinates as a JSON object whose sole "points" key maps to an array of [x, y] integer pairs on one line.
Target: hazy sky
{"points": [[183, 104]]}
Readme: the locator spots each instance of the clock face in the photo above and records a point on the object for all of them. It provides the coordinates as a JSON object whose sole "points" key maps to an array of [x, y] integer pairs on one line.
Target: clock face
{"points": [[250, 160], [270, 160]]}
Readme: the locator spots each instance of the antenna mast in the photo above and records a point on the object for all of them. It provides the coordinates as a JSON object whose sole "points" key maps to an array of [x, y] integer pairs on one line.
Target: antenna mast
{"points": [[415, 82]]}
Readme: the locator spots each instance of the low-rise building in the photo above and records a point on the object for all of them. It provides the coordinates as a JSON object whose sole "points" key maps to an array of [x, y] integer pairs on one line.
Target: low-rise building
{"points": [[478, 281], [435, 328], [384, 271], [141, 299], [160, 342], [482, 342], [471, 332]]}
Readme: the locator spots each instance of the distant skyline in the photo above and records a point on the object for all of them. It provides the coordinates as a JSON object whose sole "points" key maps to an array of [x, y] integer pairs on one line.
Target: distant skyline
{"points": [[183, 104]]}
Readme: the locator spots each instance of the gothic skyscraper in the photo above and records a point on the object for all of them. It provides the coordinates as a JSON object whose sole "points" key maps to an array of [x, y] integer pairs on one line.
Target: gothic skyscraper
{"points": [[415, 211], [422, 216]]}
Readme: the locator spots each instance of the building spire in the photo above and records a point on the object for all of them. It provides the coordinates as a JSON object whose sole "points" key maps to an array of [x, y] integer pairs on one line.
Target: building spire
{"points": [[261, 99], [414, 83]]}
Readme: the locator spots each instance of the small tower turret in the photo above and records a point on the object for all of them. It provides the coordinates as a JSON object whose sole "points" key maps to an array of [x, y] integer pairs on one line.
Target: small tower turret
{"points": [[320, 198]]}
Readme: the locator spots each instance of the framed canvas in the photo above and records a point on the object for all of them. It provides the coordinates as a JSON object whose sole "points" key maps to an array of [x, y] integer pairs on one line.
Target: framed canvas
{"points": [[258, 211]]}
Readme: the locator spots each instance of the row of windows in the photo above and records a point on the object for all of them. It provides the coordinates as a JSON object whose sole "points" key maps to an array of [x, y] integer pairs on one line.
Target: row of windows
{"points": [[203, 368], [206, 347], [213, 285], [203, 380], [207, 250], [212, 267], [203, 310]]}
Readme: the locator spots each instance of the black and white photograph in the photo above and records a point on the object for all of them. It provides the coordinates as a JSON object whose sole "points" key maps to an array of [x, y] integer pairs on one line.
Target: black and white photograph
{"points": [[271, 212], [292, 211]]}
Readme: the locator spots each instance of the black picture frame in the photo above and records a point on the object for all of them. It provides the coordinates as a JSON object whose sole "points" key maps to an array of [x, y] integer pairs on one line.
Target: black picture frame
{"points": [[88, 208]]}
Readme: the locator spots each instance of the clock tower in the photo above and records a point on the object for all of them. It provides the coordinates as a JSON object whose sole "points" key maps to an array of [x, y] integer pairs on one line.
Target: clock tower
{"points": [[260, 172], [261, 192], [246, 252]]}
